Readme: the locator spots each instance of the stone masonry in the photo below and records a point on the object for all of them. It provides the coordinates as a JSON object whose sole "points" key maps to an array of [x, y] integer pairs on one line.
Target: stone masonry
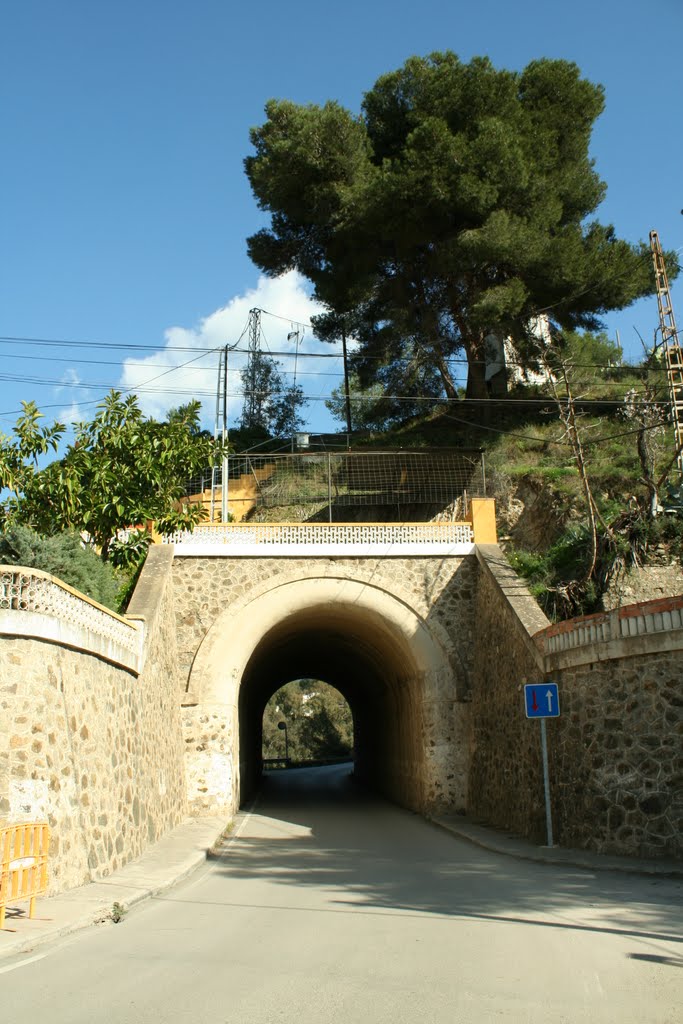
{"points": [[92, 747], [106, 751], [439, 591], [615, 753]]}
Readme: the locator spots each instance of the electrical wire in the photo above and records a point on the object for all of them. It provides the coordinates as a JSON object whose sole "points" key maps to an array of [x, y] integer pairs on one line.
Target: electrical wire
{"points": [[586, 441], [451, 360], [199, 354], [144, 388]]}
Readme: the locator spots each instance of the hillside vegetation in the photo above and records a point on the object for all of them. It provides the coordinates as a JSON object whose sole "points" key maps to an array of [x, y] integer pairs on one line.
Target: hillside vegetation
{"points": [[582, 467]]}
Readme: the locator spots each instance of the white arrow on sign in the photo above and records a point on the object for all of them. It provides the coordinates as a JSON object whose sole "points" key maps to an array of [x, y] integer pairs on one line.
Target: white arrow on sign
{"points": [[549, 697]]}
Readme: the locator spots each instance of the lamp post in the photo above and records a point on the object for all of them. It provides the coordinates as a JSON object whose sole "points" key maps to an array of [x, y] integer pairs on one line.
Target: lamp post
{"points": [[283, 725]]}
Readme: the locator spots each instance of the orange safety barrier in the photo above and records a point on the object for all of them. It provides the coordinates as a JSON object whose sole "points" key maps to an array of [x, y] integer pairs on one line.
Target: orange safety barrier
{"points": [[23, 864]]}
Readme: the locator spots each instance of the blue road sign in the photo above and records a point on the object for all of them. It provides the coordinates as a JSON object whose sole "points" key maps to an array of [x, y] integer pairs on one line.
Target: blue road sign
{"points": [[542, 700]]}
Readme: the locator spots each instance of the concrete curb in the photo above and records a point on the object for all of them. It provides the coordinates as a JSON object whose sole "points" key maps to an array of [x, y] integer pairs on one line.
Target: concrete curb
{"points": [[173, 859], [522, 849]]}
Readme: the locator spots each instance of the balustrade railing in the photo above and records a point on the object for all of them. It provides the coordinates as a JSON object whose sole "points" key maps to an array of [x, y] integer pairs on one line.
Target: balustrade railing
{"points": [[659, 615], [300, 535], [32, 591]]}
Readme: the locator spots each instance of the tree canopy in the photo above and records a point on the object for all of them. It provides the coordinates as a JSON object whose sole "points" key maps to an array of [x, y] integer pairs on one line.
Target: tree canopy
{"points": [[456, 205], [19, 457], [318, 719], [276, 410], [122, 470]]}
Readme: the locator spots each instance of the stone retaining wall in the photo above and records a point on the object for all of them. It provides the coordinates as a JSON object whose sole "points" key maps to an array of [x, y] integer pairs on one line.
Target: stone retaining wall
{"points": [[90, 746], [97, 748], [505, 768], [616, 752]]}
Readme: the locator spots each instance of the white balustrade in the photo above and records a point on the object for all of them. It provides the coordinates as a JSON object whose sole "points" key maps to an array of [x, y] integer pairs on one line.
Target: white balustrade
{"points": [[321, 538], [33, 593], [632, 620]]}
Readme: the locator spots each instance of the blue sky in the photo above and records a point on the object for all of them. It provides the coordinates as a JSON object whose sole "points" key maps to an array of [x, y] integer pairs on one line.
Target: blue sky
{"points": [[124, 205]]}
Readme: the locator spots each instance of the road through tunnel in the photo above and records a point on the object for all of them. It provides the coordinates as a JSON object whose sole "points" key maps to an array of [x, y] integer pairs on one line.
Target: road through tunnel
{"points": [[369, 665], [410, 731]]}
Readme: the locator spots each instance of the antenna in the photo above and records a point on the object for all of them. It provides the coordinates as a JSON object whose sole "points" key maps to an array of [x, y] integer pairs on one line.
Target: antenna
{"points": [[673, 355]]}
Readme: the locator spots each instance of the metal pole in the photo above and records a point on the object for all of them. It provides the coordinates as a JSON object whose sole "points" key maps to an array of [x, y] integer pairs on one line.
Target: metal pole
{"points": [[283, 725], [346, 386], [546, 784], [215, 432], [329, 487], [224, 487]]}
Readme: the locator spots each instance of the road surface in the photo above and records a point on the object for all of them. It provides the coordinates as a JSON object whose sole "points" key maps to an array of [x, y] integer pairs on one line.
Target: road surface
{"points": [[328, 906]]}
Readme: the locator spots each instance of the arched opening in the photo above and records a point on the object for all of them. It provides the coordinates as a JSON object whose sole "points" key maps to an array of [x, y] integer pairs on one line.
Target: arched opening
{"points": [[370, 665], [306, 722], [410, 731]]}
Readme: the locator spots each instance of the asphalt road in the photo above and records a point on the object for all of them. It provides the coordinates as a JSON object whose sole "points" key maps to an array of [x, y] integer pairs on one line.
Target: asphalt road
{"points": [[331, 907]]}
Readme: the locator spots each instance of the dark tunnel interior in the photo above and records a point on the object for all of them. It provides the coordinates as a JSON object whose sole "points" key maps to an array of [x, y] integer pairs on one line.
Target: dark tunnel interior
{"points": [[372, 667]]}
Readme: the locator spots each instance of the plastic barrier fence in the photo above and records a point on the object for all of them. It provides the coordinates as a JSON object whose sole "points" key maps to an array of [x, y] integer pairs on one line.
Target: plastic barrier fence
{"points": [[23, 864]]}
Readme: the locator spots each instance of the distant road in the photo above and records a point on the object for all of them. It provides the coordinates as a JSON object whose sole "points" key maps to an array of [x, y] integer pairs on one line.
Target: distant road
{"points": [[331, 907]]}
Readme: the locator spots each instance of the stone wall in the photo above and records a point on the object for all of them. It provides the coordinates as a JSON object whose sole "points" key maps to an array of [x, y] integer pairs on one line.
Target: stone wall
{"points": [[506, 787], [440, 590], [616, 751], [91, 746], [93, 739], [437, 592]]}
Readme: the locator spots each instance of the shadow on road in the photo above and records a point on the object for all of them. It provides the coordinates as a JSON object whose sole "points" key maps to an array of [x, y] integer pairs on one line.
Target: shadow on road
{"points": [[315, 828]]}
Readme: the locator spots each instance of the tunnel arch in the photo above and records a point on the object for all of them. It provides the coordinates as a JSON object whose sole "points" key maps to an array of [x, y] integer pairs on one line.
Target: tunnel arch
{"points": [[354, 634]]}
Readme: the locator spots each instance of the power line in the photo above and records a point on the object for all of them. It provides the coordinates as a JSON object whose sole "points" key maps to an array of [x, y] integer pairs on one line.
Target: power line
{"points": [[451, 359], [358, 396], [205, 369], [89, 386], [587, 442]]}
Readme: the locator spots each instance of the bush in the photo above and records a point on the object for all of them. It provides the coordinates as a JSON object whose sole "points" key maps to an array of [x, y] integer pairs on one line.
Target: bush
{"points": [[64, 556]]}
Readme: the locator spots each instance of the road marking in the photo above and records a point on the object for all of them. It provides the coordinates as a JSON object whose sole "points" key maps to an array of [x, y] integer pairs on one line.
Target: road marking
{"points": [[22, 963]]}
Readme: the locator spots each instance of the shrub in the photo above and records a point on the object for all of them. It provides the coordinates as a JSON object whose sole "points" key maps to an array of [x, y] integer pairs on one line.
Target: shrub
{"points": [[62, 555]]}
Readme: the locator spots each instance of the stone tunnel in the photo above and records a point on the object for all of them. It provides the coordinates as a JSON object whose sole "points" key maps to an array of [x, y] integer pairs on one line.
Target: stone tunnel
{"points": [[113, 728], [393, 636]]}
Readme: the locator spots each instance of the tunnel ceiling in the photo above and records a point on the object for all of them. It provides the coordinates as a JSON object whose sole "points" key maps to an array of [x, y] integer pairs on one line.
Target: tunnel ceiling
{"points": [[351, 649]]}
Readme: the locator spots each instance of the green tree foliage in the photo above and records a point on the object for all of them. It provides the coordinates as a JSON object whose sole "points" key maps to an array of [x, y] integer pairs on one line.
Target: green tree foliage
{"points": [[65, 556], [456, 205], [276, 411], [393, 397], [19, 457], [319, 722], [121, 471]]}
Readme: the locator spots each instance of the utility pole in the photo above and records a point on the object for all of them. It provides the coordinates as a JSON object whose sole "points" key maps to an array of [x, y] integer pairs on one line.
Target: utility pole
{"points": [[252, 401], [347, 396], [220, 429], [225, 469], [673, 354]]}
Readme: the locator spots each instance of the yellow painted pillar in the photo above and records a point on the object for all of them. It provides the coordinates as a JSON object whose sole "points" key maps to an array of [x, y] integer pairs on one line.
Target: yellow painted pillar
{"points": [[483, 519], [156, 537]]}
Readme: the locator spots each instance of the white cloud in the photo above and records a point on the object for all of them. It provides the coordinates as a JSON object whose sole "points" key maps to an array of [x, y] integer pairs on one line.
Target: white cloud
{"points": [[172, 377], [70, 378], [75, 412]]}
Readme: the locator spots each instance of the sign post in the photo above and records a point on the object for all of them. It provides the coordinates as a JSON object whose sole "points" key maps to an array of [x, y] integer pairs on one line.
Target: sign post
{"points": [[543, 701]]}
